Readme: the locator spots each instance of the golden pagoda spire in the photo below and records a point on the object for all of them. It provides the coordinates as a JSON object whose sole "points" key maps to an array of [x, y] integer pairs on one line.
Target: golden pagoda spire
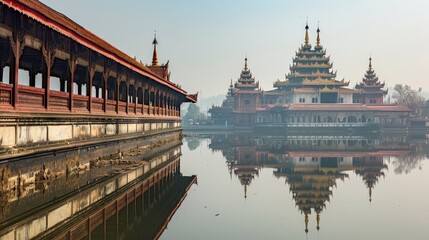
{"points": [[306, 33], [370, 194], [370, 63], [318, 35], [155, 55], [306, 222]]}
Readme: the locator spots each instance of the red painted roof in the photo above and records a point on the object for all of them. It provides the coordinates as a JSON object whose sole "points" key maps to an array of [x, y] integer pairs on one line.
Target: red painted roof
{"points": [[59, 22], [390, 108], [246, 91]]}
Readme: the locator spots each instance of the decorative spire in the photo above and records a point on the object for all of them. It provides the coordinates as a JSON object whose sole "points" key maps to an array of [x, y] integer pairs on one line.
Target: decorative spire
{"points": [[245, 63], [370, 194], [306, 222], [318, 35], [155, 55], [306, 33], [370, 63]]}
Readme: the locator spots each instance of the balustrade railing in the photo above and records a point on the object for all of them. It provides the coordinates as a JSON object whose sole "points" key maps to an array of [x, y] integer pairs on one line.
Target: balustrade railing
{"points": [[59, 101], [31, 97], [80, 103], [131, 107], [97, 105], [5, 95], [111, 106], [122, 107]]}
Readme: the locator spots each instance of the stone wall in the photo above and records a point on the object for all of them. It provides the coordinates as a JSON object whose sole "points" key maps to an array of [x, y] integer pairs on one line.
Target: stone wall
{"points": [[15, 133]]}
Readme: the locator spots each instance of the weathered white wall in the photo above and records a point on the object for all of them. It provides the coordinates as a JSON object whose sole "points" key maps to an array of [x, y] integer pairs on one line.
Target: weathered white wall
{"points": [[7, 136], [17, 135], [60, 132]]}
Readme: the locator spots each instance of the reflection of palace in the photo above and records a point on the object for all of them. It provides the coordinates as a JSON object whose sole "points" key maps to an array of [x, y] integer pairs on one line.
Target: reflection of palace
{"points": [[311, 96], [135, 203], [310, 165]]}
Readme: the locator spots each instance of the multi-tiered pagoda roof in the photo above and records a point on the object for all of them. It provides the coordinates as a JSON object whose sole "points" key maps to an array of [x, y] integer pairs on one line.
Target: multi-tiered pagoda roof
{"points": [[246, 80], [311, 69], [370, 82]]}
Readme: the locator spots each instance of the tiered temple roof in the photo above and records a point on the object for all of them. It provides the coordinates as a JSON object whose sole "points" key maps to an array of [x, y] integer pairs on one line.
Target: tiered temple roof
{"points": [[246, 80], [370, 82], [227, 104], [311, 187], [311, 69]]}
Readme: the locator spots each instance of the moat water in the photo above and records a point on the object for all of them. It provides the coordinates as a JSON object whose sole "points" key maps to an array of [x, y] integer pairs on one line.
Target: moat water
{"points": [[304, 187], [233, 186]]}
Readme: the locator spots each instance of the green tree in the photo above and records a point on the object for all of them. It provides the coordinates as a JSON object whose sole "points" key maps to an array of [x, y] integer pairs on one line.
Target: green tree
{"points": [[407, 96], [193, 114]]}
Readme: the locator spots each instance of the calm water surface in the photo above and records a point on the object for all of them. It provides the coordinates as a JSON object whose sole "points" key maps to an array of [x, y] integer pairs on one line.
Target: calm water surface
{"points": [[252, 187]]}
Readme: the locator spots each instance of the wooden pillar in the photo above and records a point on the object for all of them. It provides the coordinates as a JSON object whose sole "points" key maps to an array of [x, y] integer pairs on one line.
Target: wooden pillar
{"points": [[91, 77], [143, 90], [72, 68], [118, 84], [105, 94], [135, 98], [157, 102], [127, 93], [16, 43], [149, 102], [49, 57]]}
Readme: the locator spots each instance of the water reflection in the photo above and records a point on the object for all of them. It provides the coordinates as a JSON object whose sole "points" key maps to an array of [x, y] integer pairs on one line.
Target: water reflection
{"points": [[131, 197], [311, 166]]}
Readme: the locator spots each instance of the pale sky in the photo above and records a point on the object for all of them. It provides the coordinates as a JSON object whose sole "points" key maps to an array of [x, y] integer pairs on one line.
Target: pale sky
{"points": [[207, 41]]}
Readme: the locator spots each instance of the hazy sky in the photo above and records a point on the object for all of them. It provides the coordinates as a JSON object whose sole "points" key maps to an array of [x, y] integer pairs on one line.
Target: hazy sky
{"points": [[206, 41]]}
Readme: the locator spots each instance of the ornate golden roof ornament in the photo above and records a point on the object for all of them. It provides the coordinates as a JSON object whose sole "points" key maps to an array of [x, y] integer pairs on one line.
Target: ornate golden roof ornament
{"points": [[155, 55], [370, 63], [318, 35], [306, 33]]}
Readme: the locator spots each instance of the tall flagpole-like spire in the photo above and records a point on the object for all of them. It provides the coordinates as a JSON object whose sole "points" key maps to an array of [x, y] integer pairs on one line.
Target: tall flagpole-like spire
{"points": [[155, 54], [370, 63], [318, 35], [306, 33]]}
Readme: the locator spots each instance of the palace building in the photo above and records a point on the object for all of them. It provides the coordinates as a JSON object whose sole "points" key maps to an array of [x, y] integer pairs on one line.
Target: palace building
{"points": [[61, 84], [312, 97]]}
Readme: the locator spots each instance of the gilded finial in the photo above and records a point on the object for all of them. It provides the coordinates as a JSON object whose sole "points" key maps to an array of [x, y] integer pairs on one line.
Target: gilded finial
{"points": [[370, 63], [245, 63], [306, 32], [306, 222], [318, 35], [370, 194], [155, 55]]}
